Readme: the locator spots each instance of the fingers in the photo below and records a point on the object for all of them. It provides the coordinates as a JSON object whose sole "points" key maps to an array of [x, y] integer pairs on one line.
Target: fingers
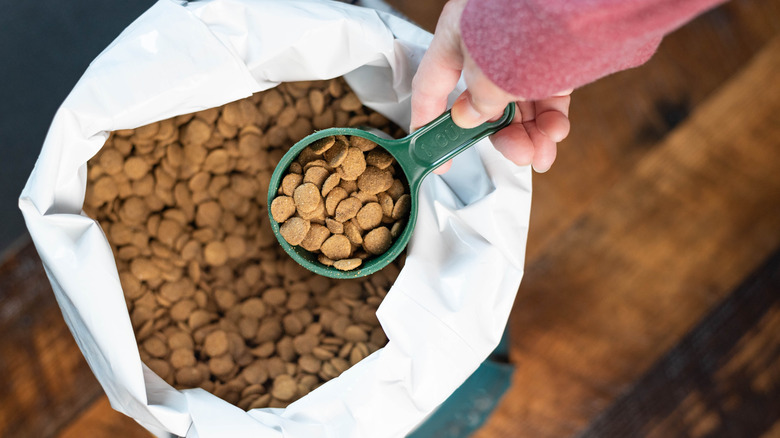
{"points": [[554, 125], [523, 143], [552, 117], [439, 70], [482, 100], [515, 144], [441, 170], [545, 150]]}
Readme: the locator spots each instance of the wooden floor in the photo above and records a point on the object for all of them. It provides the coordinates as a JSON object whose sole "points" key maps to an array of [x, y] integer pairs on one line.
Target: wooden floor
{"points": [[651, 302]]}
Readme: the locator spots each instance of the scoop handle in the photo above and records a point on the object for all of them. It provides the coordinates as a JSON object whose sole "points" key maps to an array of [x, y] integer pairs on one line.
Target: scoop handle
{"points": [[438, 141]]}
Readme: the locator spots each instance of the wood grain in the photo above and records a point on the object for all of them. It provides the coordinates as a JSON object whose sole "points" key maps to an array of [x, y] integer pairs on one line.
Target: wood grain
{"points": [[617, 120], [100, 420], [646, 260], [45, 379], [424, 13], [664, 197], [721, 379]]}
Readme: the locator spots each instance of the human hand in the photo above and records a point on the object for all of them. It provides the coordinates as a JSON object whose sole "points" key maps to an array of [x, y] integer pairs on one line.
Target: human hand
{"points": [[538, 126]]}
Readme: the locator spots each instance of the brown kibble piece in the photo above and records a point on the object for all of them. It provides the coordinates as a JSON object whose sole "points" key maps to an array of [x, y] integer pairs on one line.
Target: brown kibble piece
{"points": [[347, 209], [361, 143], [292, 325], [282, 208], [364, 197], [316, 175], [236, 246], [397, 229], [208, 214], [324, 260], [255, 374], [304, 343], [188, 377], [334, 226], [309, 363], [347, 264], [369, 216], [134, 210], [336, 247], [353, 233], [330, 183], [349, 186], [290, 182], [197, 132], [284, 387], [333, 199], [336, 155], [379, 158], [215, 253], [320, 146], [316, 162], [350, 102], [386, 202], [221, 365], [111, 160], [216, 343], [174, 290], [377, 241], [294, 230], [358, 353], [182, 358], [272, 102], [182, 310], [105, 189], [354, 333], [136, 168], [253, 308], [353, 165], [275, 296], [374, 180], [317, 101], [402, 206], [315, 237], [307, 197], [396, 189], [180, 339], [155, 347], [144, 269]]}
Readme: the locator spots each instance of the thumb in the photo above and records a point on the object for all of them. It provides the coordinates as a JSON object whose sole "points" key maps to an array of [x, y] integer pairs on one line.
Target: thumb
{"points": [[439, 69]]}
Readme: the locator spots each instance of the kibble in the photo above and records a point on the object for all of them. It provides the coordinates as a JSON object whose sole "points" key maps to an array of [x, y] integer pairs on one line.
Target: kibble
{"points": [[214, 302], [307, 197], [357, 193]]}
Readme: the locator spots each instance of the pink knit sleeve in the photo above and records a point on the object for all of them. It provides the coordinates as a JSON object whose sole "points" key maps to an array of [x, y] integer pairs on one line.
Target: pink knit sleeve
{"points": [[535, 48]]}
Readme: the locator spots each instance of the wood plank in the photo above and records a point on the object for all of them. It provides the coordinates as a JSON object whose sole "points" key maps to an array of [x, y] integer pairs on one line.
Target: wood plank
{"points": [[425, 14], [647, 260], [619, 119], [102, 421], [46, 380], [722, 379]]}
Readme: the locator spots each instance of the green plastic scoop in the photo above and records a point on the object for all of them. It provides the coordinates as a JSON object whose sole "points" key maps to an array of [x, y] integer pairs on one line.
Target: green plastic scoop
{"points": [[417, 154]]}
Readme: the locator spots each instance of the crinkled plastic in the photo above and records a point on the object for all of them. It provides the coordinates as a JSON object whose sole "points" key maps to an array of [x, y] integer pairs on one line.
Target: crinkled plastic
{"points": [[444, 314]]}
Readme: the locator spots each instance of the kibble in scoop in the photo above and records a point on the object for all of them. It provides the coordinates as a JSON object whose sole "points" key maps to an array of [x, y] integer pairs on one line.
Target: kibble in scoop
{"points": [[339, 199]]}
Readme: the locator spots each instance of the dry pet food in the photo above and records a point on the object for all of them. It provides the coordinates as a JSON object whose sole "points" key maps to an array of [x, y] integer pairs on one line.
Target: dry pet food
{"points": [[341, 199], [214, 300]]}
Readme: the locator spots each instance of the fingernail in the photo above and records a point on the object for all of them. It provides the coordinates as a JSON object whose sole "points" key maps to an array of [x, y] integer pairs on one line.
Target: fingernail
{"points": [[540, 169]]}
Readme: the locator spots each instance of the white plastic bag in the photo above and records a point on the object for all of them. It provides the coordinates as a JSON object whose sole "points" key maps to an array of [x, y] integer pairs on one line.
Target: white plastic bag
{"points": [[443, 316]]}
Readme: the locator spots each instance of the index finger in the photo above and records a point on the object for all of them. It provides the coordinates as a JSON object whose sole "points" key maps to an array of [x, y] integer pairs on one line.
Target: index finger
{"points": [[436, 77]]}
